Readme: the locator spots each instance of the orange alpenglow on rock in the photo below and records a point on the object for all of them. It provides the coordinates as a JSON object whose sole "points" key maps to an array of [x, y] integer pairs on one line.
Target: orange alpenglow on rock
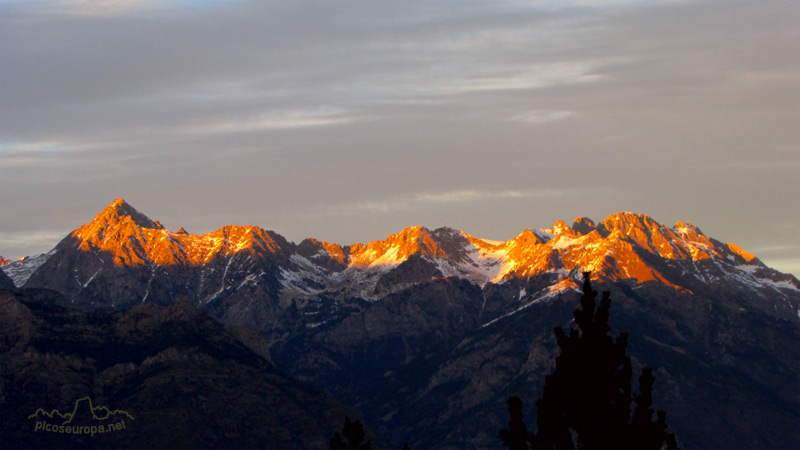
{"points": [[131, 238], [620, 247], [123, 250]]}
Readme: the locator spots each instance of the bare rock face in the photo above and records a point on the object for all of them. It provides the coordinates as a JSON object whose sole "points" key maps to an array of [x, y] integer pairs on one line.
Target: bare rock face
{"points": [[583, 225], [332, 257], [414, 270]]}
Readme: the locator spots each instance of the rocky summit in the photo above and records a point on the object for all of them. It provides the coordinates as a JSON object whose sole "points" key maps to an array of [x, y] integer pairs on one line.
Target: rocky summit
{"points": [[428, 332]]}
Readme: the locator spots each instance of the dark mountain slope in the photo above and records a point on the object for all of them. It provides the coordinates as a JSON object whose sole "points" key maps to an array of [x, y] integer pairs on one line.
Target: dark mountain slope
{"points": [[186, 381], [6, 282], [728, 377]]}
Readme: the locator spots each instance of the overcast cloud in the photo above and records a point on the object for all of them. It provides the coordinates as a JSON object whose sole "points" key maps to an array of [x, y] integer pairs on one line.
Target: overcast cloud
{"points": [[348, 121]]}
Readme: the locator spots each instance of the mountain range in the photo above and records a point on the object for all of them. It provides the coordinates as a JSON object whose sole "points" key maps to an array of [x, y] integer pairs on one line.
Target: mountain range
{"points": [[220, 271], [427, 332]]}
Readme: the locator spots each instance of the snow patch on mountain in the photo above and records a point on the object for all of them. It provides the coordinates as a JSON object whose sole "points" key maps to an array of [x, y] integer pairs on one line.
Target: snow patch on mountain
{"points": [[391, 257], [20, 271], [550, 292], [562, 242], [782, 284], [305, 272], [749, 268], [480, 265], [491, 242]]}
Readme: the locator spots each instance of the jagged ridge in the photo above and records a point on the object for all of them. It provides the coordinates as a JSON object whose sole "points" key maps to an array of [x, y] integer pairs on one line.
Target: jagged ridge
{"points": [[232, 264]]}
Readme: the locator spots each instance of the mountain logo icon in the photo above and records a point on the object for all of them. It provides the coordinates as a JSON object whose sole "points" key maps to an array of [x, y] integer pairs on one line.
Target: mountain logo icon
{"points": [[85, 418]]}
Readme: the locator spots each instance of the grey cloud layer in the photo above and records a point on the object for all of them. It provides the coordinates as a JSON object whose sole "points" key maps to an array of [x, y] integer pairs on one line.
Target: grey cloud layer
{"points": [[270, 112]]}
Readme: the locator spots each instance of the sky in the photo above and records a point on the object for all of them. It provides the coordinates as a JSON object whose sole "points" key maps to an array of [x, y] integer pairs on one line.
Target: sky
{"points": [[351, 120]]}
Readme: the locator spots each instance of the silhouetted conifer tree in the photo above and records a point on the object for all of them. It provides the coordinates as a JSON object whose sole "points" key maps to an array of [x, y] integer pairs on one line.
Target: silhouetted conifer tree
{"points": [[586, 402], [353, 437], [516, 437]]}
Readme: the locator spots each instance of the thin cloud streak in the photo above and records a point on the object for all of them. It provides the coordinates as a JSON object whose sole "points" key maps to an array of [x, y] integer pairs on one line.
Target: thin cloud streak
{"points": [[110, 8], [412, 201], [269, 121], [29, 243], [542, 116]]}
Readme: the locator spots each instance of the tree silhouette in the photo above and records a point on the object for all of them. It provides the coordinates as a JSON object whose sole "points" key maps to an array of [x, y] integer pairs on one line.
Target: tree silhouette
{"points": [[586, 402], [353, 435], [516, 437]]}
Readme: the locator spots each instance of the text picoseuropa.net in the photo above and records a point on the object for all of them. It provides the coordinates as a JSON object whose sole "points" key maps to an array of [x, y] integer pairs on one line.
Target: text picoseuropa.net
{"points": [[78, 429]]}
